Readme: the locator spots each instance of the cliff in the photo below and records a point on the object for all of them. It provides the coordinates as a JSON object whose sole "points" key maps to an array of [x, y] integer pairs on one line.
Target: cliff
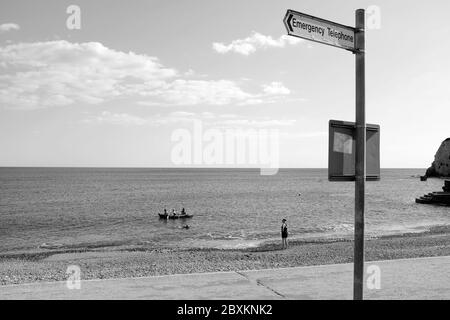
{"points": [[441, 164]]}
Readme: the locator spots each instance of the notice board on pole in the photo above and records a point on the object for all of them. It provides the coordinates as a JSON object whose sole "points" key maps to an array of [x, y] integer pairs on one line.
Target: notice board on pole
{"points": [[341, 151]]}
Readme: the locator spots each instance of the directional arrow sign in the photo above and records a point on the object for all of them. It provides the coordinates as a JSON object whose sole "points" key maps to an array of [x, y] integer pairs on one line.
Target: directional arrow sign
{"points": [[315, 29]]}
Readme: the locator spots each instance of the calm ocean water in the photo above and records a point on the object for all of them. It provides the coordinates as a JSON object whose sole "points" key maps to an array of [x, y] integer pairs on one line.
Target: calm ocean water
{"points": [[77, 208]]}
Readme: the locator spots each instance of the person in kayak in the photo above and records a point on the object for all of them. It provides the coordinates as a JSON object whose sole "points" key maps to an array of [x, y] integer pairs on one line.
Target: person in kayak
{"points": [[174, 213], [183, 212], [284, 234], [165, 212]]}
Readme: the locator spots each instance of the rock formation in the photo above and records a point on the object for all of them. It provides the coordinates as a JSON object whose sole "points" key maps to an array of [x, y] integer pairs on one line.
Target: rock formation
{"points": [[441, 164], [438, 198]]}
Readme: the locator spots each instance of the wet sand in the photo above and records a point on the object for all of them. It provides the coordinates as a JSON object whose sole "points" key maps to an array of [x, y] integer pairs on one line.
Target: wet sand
{"points": [[51, 265]]}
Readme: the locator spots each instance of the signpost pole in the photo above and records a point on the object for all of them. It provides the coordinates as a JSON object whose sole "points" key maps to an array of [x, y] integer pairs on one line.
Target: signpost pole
{"points": [[350, 38], [360, 164]]}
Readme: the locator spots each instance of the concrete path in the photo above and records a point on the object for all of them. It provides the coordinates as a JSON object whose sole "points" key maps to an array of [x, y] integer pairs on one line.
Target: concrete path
{"points": [[422, 278]]}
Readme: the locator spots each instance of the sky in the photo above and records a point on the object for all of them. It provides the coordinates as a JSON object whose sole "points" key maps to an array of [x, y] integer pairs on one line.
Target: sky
{"points": [[113, 92]]}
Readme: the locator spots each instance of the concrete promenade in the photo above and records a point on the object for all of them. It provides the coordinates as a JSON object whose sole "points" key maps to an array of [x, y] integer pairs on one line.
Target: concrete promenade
{"points": [[421, 278]]}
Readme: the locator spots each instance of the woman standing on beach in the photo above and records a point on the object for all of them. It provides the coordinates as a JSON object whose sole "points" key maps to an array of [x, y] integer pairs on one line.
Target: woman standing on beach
{"points": [[284, 234]]}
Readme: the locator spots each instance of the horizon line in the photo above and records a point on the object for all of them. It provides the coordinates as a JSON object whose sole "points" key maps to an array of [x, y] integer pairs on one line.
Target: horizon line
{"points": [[143, 167]]}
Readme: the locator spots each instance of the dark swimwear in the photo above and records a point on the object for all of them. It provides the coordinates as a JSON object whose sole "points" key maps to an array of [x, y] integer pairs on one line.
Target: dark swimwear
{"points": [[284, 232]]}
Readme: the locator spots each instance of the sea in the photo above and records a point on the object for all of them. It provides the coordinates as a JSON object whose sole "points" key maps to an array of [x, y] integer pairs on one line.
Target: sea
{"points": [[113, 208]]}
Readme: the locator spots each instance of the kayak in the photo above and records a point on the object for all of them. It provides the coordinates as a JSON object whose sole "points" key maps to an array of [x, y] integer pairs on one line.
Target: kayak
{"points": [[178, 216]]}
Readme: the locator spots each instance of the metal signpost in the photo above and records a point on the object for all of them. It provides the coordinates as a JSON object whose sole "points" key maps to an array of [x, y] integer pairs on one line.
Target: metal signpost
{"points": [[360, 160], [327, 32]]}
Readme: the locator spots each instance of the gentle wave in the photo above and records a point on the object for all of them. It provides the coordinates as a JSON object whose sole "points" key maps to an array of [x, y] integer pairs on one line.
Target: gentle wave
{"points": [[230, 242]]}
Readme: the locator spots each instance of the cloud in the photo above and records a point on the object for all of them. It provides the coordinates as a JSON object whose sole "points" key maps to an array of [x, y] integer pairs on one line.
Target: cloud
{"points": [[182, 114], [256, 123], [43, 74], [125, 119], [275, 88], [122, 119], [256, 41], [214, 93], [194, 92], [58, 73], [225, 120], [5, 27], [303, 135], [209, 119]]}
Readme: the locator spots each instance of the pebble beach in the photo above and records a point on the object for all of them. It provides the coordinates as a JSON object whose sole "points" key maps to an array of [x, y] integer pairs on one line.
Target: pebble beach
{"points": [[104, 263]]}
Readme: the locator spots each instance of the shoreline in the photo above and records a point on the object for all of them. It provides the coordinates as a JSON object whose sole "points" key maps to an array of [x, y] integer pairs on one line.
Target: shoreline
{"points": [[51, 265], [45, 250]]}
